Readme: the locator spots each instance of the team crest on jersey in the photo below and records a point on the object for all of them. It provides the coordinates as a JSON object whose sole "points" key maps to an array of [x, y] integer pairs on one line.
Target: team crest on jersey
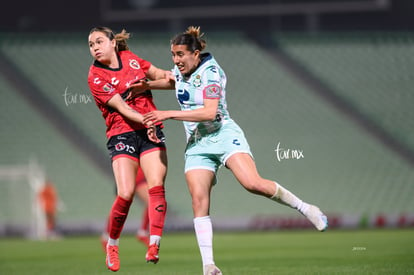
{"points": [[108, 88], [134, 64], [197, 81]]}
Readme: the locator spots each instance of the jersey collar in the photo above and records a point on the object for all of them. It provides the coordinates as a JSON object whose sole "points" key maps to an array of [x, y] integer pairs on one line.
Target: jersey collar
{"points": [[98, 64], [204, 57]]}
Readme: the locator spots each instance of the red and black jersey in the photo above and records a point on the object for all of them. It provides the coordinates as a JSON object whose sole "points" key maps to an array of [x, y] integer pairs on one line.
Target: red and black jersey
{"points": [[105, 82]]}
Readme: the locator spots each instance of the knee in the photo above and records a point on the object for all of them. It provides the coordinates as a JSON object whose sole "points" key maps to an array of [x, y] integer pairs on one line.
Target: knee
{"points": [[197, 202], [200, 203], [256, 186], [126, 195], [155, 181]]}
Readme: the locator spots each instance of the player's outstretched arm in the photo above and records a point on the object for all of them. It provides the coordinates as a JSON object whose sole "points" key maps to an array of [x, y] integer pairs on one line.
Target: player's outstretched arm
{"points": [[206, 113], [161, 79], [117, 103], [160, 84]]}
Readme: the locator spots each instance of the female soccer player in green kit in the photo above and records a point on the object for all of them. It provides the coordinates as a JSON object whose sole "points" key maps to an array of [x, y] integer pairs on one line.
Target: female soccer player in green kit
{"points": [[214, 139]]}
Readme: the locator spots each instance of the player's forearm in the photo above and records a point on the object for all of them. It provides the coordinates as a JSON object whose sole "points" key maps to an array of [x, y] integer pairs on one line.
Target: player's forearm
{"points": [[161, 84], [197, 115], [155, 73], [160, 79], [131, 115], [117, 103]]}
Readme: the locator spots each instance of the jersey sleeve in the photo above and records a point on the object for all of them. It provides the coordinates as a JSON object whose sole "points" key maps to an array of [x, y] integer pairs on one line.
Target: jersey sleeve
{"points": [[142, 63], [145, 65], [211, 83]]}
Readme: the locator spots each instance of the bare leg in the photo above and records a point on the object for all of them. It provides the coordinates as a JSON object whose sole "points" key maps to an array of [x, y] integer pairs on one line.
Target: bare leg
{"points": [[245, 171]]}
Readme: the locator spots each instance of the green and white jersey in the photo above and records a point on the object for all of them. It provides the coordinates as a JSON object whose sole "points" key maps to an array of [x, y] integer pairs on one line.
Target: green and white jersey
{"points": [[208, 81]]}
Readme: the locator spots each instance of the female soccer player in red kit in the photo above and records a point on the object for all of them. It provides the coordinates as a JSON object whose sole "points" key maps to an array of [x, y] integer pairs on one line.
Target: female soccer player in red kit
{"points": [[131, 143]]}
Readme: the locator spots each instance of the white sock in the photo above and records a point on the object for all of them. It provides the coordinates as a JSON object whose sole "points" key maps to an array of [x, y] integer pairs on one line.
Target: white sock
{"points": [[204, 233], [113, 241], [155, 239], [286, 197]]}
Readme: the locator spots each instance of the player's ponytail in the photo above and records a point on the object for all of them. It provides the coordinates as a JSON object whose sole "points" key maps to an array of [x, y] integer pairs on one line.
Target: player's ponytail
{"points": [[121, 38], [192, 38], [121, 41]]}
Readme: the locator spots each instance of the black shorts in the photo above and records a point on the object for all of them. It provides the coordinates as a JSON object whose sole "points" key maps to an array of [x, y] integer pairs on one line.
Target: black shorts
{"points": [[134, 144]]}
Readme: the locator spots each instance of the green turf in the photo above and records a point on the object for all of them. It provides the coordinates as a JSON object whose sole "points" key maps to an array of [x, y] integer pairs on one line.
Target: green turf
{"points": [[281, 252]]}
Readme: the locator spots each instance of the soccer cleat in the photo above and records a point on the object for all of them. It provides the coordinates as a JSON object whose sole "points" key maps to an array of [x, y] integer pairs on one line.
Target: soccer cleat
{"points": [[211, 269], [152, 254], [112, 257], [317, 218]]}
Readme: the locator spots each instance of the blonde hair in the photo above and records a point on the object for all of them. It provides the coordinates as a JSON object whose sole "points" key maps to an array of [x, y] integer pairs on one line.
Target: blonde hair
{"points": [[192, 38], [120, 38]]}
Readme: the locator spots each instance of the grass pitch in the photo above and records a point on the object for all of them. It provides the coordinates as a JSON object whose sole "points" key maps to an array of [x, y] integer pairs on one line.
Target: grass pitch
{"points": [[279, 252]]}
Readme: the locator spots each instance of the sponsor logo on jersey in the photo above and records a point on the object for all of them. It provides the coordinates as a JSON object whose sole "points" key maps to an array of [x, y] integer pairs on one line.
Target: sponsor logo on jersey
{"points": [[134, 64], [96, 80], [213, 69], [114, 81], [160, 208], [236, 141]]}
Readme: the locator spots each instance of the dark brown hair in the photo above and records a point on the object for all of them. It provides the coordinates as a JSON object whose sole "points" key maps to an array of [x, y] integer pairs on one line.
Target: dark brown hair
{"points": [[192, 37], [121, 38]]}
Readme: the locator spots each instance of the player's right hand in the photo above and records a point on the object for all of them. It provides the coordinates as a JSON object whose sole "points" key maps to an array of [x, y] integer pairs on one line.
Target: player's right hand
{"points": [[152, 133]]}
